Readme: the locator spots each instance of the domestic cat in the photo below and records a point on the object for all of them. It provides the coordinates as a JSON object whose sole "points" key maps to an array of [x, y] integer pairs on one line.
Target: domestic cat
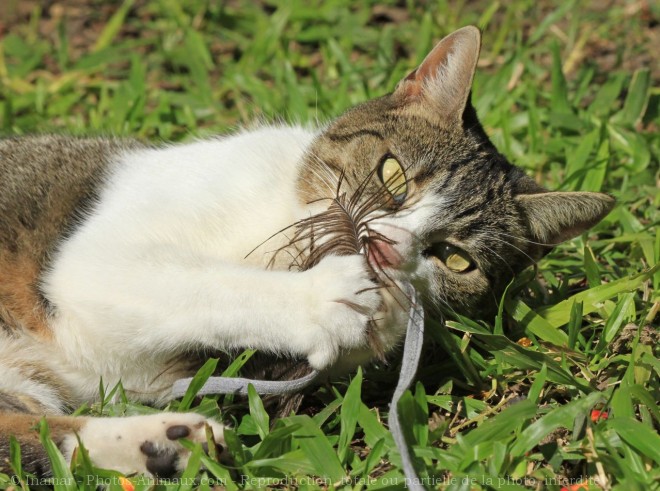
{"points": [[130, 262]]}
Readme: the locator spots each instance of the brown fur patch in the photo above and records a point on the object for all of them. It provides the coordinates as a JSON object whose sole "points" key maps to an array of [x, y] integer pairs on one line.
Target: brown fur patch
{"points": [[21, 306], [25, 428]]}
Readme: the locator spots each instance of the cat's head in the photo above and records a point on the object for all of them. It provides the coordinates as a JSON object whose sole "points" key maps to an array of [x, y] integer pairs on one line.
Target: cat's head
{"points": [[444, 208]]}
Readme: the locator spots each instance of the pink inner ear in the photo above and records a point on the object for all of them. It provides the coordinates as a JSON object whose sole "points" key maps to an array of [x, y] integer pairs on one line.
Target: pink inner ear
{"points": [[410, 86], [413, 83], [434, 60]]}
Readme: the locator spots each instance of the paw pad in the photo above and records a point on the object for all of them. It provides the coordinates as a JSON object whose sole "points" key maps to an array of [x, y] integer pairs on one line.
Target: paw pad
{"points": [[161, 462], [176, 432]]}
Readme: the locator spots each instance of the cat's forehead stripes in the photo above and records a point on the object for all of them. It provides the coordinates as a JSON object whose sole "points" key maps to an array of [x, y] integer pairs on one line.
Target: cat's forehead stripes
{"points": [[431, 154], [345, 137]]}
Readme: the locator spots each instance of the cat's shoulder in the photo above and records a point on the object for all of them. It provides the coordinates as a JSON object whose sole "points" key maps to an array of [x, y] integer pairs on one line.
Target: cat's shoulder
{"points": [[261, 137]]}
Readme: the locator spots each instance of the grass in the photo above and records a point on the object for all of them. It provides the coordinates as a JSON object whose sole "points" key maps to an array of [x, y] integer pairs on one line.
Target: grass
{"points": [[562, 388]]}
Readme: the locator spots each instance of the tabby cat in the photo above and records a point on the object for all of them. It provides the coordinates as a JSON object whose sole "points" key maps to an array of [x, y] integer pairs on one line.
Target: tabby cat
{"points": [[125, 261]]}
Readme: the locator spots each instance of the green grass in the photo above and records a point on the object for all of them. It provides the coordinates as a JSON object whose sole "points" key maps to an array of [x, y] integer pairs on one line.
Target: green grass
{"points": [[569, 93]]}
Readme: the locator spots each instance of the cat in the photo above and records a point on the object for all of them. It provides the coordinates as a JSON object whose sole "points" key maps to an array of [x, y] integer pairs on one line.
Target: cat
{"points": [[132, 262]]}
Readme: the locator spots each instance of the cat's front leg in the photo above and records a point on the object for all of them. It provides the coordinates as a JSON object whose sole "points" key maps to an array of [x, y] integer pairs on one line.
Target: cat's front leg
{"points": [[343, 299], [116, 309]]}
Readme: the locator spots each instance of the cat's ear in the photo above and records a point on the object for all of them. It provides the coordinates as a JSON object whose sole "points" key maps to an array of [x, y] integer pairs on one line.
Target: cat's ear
{"points": [[554, 217], [444, 78]]}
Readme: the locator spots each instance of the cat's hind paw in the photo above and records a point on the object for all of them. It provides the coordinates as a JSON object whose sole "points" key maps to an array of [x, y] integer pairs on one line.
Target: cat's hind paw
{"points": [[148, 444]]}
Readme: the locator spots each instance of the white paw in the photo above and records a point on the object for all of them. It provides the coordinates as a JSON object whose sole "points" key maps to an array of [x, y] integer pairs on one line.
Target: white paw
{"points": [[145, 444], [385, 333], [392, 319], [344, 301]]}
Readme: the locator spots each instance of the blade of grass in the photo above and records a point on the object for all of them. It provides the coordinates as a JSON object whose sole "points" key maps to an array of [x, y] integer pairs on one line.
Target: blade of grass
{"points": [[63, 479], [113, 26], [350, 410], [258, 412], [535, 323], [315, 445], [637, 99], [559, 314], [198, 381], [640, 436]]}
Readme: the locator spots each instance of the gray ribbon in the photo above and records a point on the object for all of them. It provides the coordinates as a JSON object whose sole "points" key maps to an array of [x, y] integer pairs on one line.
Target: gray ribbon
{"points": [[412, 350], [236, 385]]}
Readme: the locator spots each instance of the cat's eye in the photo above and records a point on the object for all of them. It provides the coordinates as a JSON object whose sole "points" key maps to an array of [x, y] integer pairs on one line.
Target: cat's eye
{"points": [[392, 176], [456, 260]]}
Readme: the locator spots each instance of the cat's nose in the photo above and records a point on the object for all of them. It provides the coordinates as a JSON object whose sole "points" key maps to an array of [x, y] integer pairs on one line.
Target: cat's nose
{"points": [[382, 254]]}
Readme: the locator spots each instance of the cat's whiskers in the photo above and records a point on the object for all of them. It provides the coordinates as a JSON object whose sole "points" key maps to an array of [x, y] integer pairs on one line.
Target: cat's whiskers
{"points": [[437, 310], [494, 252], [324, 180], [330, 178], [505, 262], [523, 239], [513, 246]]}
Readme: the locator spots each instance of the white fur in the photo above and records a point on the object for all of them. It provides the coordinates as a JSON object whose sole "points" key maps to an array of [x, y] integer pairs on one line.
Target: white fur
{"points": [[160, 266]]}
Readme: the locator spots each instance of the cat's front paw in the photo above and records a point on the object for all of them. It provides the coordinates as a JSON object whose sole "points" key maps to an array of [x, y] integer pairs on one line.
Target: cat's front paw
{"points": [[146, 444], [344, 301]]}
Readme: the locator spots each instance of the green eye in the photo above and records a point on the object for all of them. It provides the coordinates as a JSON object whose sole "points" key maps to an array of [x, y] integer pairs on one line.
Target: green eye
{"points": [[392, 176], [456, 260]]}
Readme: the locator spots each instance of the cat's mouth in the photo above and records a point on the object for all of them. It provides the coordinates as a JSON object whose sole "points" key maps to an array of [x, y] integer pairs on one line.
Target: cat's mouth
{"points": [[382, 254]]}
